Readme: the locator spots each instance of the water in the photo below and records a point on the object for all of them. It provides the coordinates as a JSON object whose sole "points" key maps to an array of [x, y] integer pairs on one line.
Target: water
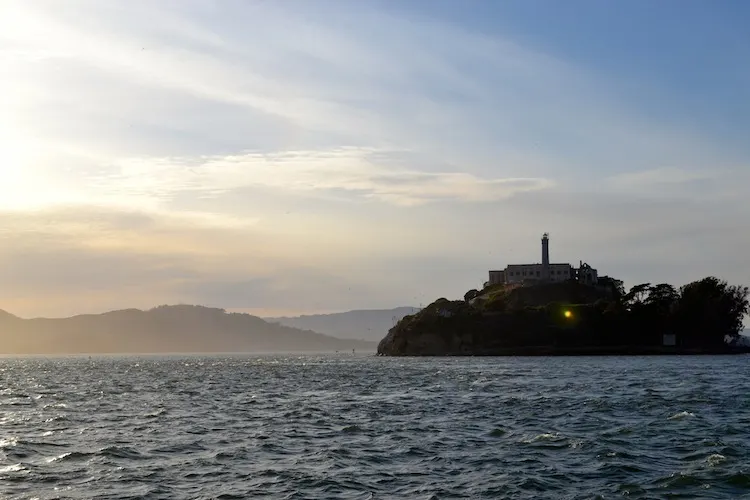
{"points": [[367, 427]]}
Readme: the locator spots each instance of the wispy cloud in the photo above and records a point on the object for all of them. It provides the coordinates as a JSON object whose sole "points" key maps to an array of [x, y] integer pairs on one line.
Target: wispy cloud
{"points": [[714, 184], [470, 98], [359, 172], [662, 176]]}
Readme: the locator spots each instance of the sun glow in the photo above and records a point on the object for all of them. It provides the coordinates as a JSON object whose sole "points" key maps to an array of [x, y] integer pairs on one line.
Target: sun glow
{"points": [[14, 154], [20, 188], [568, 314]]}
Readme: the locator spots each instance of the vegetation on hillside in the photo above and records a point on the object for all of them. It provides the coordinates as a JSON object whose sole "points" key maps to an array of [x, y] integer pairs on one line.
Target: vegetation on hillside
{"points": [[705, 314]]}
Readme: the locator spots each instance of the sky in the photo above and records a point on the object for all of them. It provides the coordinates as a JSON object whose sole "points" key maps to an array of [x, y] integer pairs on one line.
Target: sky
{"points": [[301, 156]]}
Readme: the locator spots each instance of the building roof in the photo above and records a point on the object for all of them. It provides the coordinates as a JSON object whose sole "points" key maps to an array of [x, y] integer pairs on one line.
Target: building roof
{"points": [[539, 264]]}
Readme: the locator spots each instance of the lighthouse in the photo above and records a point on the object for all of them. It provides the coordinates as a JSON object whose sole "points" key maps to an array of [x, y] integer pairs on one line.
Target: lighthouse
{"points": [[545, 257], [546, 272]]}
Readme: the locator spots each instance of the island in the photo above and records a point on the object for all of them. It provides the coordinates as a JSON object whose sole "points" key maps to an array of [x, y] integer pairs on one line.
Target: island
{"points": [[555, 309]]}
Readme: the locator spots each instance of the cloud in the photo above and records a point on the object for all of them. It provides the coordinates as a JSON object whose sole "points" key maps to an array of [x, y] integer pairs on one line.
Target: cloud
{"points": [[474, 99], [664, 175], [357, 172], [724, 184], [668, 181]]}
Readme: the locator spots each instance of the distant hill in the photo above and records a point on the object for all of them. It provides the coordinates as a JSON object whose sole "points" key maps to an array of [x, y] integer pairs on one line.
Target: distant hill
{"points": [[369, 324], [159, 330]]}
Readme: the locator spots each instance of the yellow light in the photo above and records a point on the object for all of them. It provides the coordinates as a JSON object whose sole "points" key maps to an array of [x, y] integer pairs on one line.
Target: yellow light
{"points": [[568, 314]]}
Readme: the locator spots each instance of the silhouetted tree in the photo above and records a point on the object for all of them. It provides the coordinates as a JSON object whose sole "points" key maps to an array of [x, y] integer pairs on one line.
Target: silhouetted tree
{"points": [[637, 295], [709, 311], [662, 297], [616, 287]]}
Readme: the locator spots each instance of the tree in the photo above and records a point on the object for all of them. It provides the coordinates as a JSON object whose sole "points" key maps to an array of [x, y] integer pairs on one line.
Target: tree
{"points": [[637, 294], [709, 311], [616, 287], [470, 295], [662, 297]]}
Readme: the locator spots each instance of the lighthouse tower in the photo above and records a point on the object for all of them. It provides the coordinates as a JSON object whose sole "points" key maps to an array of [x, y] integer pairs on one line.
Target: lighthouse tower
{"points": [[545, 257]]}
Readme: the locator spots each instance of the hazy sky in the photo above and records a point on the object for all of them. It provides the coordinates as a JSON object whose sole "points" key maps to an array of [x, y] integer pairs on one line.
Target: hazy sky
{"points": [[290, 156]]}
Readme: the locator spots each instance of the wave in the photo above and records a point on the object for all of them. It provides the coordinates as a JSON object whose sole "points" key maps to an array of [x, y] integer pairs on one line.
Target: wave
{"points": [[376, 428], [681, 415]]}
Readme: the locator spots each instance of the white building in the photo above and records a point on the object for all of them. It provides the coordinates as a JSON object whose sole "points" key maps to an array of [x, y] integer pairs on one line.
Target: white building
{"points": [[543, 272], [515, 273]]}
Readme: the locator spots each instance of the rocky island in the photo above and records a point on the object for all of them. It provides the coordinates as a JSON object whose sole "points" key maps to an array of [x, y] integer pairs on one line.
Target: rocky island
{"points": [[553, 309]]}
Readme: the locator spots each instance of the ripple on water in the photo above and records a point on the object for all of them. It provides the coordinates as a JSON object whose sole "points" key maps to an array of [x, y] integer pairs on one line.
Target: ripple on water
{"points": [[367, 427]]}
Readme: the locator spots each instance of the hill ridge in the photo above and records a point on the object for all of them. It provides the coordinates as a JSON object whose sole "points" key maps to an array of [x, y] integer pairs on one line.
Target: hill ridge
{"points": [[361, 324], [166, 328]]}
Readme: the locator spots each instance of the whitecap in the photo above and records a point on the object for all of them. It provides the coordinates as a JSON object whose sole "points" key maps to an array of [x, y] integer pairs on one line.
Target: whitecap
{"points": [[715, 459], [681, 415], [547, 436], [11, 468], [7, 442], [54, 405], [49, 460]]}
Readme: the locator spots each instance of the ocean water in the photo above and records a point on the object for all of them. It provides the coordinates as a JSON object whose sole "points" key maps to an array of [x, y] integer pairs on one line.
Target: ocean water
{"points": [[358, 427]]}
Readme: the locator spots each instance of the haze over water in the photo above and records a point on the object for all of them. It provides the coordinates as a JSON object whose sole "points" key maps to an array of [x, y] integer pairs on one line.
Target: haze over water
{"points": [[366, 427]]}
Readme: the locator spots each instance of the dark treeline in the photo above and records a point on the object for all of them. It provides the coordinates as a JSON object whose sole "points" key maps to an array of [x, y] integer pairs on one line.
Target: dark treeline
{"points": [[706, 313], [702, 315]]}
